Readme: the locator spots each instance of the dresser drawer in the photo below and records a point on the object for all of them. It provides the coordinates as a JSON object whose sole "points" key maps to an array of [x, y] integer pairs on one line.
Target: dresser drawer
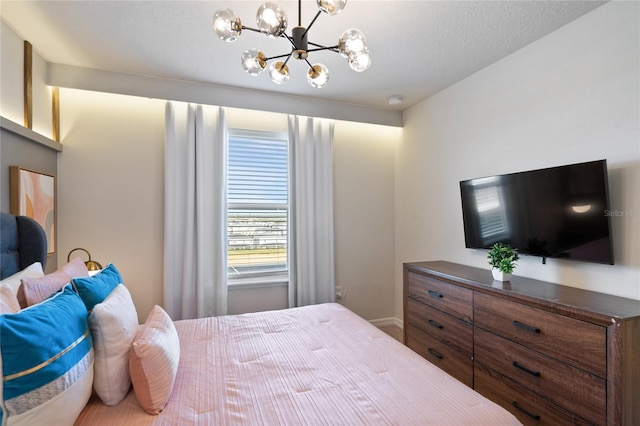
{"points": [[440, 354], [444, 327], [573, 341], [569, 387], [452, 299], [528, 407]]}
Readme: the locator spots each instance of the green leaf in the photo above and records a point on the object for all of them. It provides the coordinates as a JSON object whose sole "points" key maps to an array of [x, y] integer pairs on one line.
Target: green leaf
{"points": [[503, 257]]}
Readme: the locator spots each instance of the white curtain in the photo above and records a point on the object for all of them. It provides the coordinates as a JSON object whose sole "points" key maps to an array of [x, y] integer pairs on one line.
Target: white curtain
{"points": [[311, 262], [195, 263]]}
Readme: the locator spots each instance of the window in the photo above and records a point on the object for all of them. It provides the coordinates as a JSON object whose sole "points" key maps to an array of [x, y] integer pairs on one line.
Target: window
{"points": [[258, 199]]}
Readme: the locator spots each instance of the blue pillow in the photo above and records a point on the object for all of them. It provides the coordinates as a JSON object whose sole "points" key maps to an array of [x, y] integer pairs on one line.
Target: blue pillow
{"points": [[46, 349], [96, 288]]}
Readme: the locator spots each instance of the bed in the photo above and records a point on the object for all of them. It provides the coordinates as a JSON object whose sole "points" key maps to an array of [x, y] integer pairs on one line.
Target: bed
{"points": [[319, 364]]}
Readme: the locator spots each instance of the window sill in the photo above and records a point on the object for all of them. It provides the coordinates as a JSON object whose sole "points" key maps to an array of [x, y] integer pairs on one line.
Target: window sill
{"points": [[263, 281]]}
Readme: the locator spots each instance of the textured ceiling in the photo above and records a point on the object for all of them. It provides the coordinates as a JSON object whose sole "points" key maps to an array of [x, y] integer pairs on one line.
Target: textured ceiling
{"points": [[418, 47]]}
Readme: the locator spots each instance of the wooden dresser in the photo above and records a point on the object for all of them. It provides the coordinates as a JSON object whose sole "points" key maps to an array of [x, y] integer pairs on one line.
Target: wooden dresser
{"points": [[550, 354]]}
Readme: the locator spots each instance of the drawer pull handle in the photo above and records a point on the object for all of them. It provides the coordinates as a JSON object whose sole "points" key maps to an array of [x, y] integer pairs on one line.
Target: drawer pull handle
{"points": [[526, 327], [435, 324], [533, 373], [435, 353], [533, 416], [435, 294]]}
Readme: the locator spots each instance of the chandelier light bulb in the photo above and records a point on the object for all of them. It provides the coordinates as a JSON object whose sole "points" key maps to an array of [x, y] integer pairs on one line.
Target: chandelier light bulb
{"points": [[351, 41], [271, 20], [360, 61], [279, 72], [227, 25], [253, 61], [318, 76], [331, 7]]}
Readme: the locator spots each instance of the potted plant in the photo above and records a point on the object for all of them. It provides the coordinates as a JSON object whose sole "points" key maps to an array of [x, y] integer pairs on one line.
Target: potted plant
{"points": [[502, 258]]}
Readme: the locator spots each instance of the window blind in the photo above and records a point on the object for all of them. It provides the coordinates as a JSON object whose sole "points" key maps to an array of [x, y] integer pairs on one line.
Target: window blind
{"points": [[258, 203]]}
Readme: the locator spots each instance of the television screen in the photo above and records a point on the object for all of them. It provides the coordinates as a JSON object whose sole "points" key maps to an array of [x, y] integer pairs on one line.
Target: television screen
{"points": [[558, 212]]}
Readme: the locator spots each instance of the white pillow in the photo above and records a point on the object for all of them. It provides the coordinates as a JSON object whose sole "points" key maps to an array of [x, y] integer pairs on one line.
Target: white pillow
{"points": [[8, 300], [114, 324], [32, 271]]}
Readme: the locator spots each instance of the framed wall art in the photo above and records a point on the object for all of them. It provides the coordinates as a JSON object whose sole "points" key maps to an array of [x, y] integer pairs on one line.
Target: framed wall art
{"points": [[33, 194]]}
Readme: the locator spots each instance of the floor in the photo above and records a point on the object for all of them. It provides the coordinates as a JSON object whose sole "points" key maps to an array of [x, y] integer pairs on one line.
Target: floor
{"points": [[393, 331]]}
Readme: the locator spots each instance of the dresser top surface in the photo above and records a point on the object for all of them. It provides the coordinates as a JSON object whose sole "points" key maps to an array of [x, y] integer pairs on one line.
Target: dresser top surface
{"points": [[545, 294]]}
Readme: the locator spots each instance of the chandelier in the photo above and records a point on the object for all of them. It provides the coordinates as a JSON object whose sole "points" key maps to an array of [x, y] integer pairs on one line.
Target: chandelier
{"points": [[272, 22]]}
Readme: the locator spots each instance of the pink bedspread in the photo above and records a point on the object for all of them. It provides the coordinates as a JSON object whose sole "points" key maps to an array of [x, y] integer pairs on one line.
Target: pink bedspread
{"points": [[314, 365]]}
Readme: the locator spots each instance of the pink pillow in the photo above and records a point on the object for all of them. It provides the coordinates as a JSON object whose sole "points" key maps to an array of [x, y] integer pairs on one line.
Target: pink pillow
{"points": [[153, 361], [8, 300], [35, 290]]}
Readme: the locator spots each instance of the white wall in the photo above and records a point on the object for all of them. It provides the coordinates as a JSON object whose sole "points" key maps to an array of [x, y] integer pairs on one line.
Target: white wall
{"points": [[11, 83], [110, 187], [363, 194], [572, 96]]}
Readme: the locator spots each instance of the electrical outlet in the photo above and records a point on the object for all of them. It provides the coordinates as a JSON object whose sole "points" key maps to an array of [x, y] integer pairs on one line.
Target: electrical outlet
{"points": [[340, 293]]}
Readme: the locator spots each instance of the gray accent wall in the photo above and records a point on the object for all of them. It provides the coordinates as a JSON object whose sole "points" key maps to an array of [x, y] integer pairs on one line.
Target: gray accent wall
{"points": [[27, 150]]}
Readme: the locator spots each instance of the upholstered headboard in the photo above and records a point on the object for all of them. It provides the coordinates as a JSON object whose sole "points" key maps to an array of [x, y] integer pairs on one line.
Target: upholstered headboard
{"points": [[22, 242]]}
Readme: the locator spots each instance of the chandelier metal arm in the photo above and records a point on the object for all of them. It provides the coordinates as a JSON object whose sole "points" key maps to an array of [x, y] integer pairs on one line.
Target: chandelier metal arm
{"points": [[293, 44], [312, 22], [288, 56], [309, 63], [277, 57], [255, 30], [319, 48]]}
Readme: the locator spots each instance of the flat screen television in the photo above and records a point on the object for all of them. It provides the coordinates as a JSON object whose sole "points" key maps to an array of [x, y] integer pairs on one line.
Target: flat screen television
{"points": [[558, 212]]}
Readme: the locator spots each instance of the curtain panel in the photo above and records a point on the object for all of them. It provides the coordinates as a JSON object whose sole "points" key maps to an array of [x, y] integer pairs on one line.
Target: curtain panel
{"points": [[311, 242], [195, 262]]}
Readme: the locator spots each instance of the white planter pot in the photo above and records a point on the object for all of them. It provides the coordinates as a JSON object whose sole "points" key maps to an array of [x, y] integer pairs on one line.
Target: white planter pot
{"points": [[498, 275]]}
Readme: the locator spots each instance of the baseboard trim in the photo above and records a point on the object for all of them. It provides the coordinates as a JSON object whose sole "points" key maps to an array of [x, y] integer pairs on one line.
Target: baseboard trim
{"points": [[385, 322]]}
